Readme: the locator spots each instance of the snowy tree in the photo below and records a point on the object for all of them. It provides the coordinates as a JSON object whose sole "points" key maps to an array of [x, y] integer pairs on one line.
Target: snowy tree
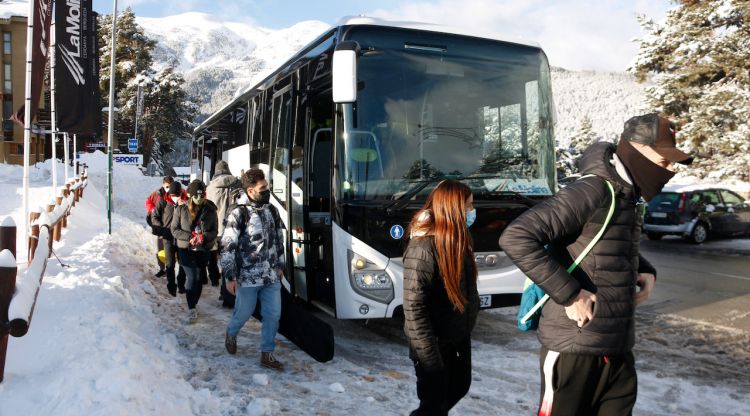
{"points": [[567, 156], [701, 61], [168, 115]]}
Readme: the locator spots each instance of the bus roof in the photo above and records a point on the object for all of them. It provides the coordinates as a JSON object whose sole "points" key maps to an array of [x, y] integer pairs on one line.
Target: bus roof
{"points": [[242, 95], [432, 27]]}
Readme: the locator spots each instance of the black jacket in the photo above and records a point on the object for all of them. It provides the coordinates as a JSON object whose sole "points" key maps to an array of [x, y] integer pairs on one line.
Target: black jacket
{"points": [[430, 318], [570, 220], [206, 219], [161, 219]]}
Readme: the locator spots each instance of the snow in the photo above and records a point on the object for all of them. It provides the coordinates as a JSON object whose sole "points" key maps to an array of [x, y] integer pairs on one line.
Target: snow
{"points": [[6, 259], [10, 8], [106, 338]]}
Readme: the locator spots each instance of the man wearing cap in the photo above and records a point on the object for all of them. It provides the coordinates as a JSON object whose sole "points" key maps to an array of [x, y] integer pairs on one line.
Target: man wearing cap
{"points": [[587, 328]]}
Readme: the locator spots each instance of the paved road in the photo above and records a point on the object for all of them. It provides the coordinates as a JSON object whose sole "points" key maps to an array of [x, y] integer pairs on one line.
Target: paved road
{"points": [[699, 285]]}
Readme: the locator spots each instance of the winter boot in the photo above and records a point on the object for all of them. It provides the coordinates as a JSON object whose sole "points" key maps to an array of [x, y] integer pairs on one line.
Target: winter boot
{"points": [[231, 343], [192, 316], [269, 361], [160, 273], [172, 289]]}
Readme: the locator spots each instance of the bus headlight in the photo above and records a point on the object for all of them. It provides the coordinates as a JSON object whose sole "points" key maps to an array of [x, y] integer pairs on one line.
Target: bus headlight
{"points": [[368, 280]]}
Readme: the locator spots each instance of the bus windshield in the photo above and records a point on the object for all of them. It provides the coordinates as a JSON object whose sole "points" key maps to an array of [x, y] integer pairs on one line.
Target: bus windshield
{"points": [[432, 106]]}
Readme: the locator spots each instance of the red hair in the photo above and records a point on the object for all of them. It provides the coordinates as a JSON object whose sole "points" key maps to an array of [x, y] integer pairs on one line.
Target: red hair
{"points": [[446, 222]]}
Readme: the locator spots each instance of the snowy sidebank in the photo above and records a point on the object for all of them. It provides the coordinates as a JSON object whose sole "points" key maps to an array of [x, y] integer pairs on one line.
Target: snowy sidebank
{"points": [[94, 345]]}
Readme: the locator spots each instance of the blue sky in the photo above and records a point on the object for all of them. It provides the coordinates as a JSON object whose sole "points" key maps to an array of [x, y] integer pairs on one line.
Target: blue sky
{"points": [[576, 34]]}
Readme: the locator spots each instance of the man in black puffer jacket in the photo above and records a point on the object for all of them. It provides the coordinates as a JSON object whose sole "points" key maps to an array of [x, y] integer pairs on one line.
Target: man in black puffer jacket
{"points": [[587, 328]]}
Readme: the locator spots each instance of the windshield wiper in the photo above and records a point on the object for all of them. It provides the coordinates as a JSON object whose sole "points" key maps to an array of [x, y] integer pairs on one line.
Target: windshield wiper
{"points": [[403, 199], [523, 198]]}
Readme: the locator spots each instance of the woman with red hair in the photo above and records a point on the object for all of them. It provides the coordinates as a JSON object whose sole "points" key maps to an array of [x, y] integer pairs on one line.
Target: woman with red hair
{"points": [[440, 297]]}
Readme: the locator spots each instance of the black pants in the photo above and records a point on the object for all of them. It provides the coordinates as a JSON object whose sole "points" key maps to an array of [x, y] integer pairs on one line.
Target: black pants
{"points": [[213, 268], [587, 385], [439, 391], [170, 253], [194, 262]]}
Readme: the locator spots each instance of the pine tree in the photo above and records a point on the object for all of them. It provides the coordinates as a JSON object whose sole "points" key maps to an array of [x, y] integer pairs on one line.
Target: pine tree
{"points": [[701, 61], [168, 115], [567, 157], [584, 137]]}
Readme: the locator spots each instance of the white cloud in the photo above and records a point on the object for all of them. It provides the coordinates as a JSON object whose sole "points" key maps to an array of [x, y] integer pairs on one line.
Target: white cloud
{"points": [[575, 34]]}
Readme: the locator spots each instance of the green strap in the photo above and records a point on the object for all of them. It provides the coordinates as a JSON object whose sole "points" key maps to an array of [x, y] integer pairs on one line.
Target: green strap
{"points": [[601, 231], [583, 254]]}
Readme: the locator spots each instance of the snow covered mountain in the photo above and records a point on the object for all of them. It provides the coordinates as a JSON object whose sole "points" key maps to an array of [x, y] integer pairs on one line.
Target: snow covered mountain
{"points": [[218, 58]]}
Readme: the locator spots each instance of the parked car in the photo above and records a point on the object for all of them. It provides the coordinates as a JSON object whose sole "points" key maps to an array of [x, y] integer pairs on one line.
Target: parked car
{"points": [[697, 214]]}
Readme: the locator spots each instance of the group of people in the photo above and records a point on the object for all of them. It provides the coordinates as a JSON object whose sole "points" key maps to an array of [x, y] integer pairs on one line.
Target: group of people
{"points": [[228, 233], [586, 329]]}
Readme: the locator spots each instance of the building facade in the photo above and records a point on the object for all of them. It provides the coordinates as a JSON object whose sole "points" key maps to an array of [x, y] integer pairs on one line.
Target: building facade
{"points": [[13, 74]]}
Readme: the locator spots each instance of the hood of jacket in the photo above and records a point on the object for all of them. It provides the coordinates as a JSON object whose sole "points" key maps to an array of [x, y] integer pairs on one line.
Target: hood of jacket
{"points": [[223, 179]]}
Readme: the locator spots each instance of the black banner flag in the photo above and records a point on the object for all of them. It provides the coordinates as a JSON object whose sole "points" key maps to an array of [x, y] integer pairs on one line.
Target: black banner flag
{"points": [[77, 68], [42, 20]]}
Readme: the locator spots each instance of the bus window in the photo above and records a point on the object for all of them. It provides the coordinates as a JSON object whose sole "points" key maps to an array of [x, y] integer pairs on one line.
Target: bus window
{"points": [[282, 106]]}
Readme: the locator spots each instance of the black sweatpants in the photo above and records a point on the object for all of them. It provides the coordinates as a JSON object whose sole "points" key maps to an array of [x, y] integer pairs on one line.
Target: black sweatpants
{"points": [[587, 385], [439, 391]]}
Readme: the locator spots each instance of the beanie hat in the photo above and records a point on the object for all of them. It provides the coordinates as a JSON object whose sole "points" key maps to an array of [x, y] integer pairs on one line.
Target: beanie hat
{"points": [[196, 187], [175, 188]]}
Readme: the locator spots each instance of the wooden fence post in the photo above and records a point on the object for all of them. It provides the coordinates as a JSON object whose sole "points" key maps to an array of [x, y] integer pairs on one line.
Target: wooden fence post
{"points": [[50, 210], [65, 217], [34, 237], [57, 231], [8, 235], [8, 270], [78, 190]]}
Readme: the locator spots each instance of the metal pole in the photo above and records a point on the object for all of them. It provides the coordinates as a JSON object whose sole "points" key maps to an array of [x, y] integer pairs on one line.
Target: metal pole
{"points": [[75, 156], [111, 128], [27, 119], [67, 159], [53, 110]]}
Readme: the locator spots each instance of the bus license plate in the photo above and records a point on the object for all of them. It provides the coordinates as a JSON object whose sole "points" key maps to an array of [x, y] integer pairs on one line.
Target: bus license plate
{"points": [[485, 301], [659, 214]]}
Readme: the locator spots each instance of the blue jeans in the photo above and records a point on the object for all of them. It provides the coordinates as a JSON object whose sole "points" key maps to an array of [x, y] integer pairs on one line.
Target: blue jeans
{"points": [[270, 311]]}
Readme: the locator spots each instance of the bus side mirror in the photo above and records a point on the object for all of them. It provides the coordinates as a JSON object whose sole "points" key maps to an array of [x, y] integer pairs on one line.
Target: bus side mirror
{"points": [[345, 72]]}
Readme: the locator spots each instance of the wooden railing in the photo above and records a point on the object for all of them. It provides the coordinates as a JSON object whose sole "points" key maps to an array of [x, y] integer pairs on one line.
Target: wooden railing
{"points": [[18, 294]]}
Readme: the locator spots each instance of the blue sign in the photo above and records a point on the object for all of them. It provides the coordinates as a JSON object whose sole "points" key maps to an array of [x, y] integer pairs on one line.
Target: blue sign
{"points": [[132, 145], [397, 232]]}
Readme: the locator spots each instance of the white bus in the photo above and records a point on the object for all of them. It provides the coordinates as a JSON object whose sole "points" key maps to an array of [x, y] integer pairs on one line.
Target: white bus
{"points": [[359, 126]]}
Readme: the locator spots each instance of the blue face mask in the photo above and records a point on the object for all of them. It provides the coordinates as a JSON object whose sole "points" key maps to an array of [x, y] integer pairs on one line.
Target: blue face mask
{"points": [[471, 216]]}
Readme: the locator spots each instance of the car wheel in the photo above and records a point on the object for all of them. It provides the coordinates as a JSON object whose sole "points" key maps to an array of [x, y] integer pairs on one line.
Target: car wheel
{"points": [[699, 234], [654, 236]]}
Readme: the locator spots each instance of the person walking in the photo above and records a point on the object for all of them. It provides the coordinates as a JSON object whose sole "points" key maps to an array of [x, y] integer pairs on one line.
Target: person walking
{"points": [[441, 300], [252, 261], [161, 221], [222, 191], [195, 228], [587, 328], [151, 201]]}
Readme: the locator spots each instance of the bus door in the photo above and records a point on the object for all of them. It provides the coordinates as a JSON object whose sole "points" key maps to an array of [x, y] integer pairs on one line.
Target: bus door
{"points": [[311, 159]]}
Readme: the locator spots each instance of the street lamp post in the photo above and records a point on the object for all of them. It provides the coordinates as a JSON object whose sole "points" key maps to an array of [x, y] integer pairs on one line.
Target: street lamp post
{"points": [[111, 128]]}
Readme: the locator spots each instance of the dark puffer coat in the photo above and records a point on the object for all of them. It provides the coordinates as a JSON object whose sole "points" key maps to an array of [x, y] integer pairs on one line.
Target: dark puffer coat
{"points": [[430, 318], [206, 219], [570, 220]]}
